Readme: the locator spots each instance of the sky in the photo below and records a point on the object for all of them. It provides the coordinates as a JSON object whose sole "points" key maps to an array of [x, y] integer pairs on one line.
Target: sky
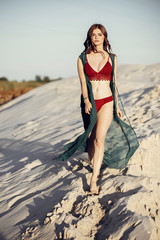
{"points": [[46, 37]]}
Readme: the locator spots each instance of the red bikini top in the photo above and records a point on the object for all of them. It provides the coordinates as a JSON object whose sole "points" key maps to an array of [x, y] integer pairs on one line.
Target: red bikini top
{"points": [[104, 74]]}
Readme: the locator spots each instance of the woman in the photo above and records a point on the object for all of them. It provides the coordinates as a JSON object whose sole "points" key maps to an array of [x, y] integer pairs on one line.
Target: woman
{"points": [[98, 68], [106, 137]]}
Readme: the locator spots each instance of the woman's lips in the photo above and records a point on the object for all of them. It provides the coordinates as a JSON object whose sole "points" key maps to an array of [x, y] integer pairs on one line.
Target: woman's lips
{"points": [[96, 40]]}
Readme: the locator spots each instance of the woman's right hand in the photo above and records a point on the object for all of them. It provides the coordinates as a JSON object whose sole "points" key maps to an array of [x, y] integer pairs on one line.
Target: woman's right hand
{"points": [[88, 106]]}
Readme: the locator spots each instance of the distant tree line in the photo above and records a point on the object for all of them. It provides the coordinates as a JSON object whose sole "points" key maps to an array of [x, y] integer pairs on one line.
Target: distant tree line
{"points": [[4, 79], [12, 89], [45, 79], [38, 78]]}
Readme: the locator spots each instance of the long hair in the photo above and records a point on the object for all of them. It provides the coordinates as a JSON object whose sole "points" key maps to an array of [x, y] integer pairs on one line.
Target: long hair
{"points": [[88, 44]]}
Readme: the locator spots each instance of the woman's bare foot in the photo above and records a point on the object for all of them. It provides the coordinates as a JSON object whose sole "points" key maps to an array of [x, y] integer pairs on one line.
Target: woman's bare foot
{"points": [[93, 188]]}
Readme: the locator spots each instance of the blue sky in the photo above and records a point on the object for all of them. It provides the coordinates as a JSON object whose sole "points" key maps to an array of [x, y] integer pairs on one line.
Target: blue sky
{"points": [[46, 37]]}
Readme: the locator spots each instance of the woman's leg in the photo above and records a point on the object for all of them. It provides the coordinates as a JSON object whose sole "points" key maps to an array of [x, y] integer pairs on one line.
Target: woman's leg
{"points": [[104, 119], [91, 145], [99, 103]]}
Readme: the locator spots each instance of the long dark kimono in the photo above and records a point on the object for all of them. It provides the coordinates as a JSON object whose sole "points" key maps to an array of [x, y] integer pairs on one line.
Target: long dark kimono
{"points": [[120, 142]]}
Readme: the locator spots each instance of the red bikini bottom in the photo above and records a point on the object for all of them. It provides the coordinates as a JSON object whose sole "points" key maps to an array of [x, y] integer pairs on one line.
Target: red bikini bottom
{"points": [[100, 102]]}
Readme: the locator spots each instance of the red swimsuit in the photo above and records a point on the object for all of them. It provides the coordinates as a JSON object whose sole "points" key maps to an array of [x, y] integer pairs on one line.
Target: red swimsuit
{"points": [[105, 75]]}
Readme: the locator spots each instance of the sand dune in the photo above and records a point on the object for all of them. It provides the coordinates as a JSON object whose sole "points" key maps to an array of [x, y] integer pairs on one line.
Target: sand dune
{"points": [[42, 198]]}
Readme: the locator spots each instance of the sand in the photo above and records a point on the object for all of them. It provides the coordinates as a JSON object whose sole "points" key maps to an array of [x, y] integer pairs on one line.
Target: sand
{"points": [[42, 198]]}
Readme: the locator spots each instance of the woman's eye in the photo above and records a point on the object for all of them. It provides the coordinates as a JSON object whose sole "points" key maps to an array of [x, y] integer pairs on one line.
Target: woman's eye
{"points": [[98, 34]]}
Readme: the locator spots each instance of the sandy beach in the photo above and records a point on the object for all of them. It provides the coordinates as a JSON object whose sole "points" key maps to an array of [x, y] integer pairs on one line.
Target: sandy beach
{"points": [[42, 198]]}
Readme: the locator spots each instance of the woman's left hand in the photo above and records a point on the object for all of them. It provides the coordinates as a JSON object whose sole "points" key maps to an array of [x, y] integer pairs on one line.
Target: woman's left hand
{"points": [[119, 112]]}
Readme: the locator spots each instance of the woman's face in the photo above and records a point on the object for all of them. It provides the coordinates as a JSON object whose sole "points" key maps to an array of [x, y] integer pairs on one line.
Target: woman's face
{"points": [[97, 37]]}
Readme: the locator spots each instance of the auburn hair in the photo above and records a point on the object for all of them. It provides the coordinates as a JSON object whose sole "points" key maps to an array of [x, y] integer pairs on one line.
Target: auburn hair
{"points": [[88, 44]]}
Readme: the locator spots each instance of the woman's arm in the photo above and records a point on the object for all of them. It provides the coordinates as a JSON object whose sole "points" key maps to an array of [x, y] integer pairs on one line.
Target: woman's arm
{"points": [[84, 89], [82, 79], [115, 77], [119, 112]]}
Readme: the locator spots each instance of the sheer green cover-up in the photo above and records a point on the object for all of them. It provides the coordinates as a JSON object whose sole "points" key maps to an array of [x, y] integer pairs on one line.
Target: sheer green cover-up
{"points": [[120, 142]]}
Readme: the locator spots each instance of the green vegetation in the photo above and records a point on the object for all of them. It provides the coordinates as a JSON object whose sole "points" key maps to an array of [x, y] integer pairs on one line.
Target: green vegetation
{"points": [[12, 89]]}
